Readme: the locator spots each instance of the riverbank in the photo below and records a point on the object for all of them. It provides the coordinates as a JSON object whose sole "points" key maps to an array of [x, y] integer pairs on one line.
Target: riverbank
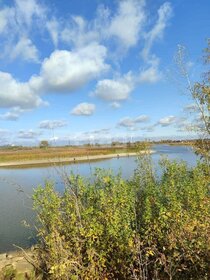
{"points": [[66, 160], [16, 265]]}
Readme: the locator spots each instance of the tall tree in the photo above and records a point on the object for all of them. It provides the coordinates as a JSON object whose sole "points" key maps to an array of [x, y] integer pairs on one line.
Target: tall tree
{"points": [[200, 93]]}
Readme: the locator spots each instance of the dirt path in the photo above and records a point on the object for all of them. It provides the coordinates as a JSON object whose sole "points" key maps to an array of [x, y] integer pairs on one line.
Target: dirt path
{"points": [[52, 161]]}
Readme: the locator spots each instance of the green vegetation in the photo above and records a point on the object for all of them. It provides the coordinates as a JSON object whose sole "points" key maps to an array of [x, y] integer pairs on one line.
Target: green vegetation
{"points": [[8, 273], [44, 144], [150, 227]]}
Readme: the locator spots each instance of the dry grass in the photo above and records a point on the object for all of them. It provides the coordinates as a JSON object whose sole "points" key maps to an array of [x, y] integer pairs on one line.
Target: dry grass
{"points": [[25, 153]]}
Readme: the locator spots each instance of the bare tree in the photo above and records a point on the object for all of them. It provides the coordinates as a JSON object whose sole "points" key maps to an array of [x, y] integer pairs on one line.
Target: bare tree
{"points": [[200, 94]]}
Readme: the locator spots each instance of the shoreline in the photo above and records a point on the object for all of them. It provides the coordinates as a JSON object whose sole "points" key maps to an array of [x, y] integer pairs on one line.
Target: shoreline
{"points": [[62, 161], [18, 263]]}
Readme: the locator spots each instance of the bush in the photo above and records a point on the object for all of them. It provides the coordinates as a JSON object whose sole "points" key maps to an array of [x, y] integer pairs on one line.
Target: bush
{"points": [[44, 144], [151, 227]]}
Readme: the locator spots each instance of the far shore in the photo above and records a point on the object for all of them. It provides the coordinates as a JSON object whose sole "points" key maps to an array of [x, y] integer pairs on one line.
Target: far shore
{"points": [[66, 160]]}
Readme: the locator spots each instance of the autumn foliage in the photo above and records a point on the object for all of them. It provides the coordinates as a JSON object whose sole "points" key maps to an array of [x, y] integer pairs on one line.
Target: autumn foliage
{"points": [[154, 226]]}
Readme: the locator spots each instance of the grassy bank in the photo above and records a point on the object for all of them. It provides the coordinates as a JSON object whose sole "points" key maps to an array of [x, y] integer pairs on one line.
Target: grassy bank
{"points": [[151, 227], [19, 153], [27, 154]]}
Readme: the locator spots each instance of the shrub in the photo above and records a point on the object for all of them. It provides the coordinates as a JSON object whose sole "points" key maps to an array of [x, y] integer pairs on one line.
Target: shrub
{"points": [[151, 227]]}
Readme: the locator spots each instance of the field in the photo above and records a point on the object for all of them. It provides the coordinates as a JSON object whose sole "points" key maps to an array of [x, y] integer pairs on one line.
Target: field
{"points": [[26, 153]]}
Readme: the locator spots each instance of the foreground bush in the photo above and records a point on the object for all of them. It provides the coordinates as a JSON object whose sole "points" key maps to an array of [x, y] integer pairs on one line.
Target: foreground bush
{"points": [[151, 227]]}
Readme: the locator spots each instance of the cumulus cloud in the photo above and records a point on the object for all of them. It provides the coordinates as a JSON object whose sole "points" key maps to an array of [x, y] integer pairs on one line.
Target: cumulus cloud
{"points": [[9, 116], [128, 22], [115, 90], [131, 123], [63, 71], [166, 121], [52, 124], [120, 88], [26, 50], [16, 94], [67, 71], [12, 115], [108, 25], [150, 75], [126, 122], [18, 21], [30, 134], [83, 109]]}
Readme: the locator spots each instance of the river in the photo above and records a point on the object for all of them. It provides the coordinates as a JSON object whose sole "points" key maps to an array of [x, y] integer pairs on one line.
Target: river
{"points": [[16, 187]]}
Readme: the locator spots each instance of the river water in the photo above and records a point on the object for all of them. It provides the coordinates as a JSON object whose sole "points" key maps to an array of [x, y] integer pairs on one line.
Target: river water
{"points": [[16, 187]]}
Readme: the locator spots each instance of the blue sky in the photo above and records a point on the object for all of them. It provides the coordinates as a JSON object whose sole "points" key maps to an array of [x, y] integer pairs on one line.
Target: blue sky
{"points": [[97, 71]]}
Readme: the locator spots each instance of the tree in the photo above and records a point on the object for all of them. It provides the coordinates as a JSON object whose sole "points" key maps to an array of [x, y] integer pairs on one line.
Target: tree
{"points": [[200, 93], [44, 144]]}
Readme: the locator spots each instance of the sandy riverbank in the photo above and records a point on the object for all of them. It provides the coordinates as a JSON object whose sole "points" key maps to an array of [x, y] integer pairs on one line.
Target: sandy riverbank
{"points": [[53, 161], [17, 265]]}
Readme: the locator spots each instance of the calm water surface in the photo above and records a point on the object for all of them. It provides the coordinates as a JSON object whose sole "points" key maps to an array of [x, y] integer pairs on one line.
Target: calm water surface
{"points": [[16, 187]]}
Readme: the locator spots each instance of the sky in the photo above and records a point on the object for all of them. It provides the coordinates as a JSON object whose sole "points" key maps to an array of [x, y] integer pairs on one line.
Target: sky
{"points": [[92, 71]]}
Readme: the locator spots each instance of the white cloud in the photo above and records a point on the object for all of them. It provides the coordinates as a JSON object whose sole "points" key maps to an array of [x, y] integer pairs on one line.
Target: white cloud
{"points": [[26, 50], [13, 114], [27, 10], [128, 22], [83, 109], [120, 88], [52, 124], [67, 71], [164, 14], [9, 116], [191, 108], [5, 15], [17, 23], [30, 134], [115, 90], [182, 124], [63, 71], [149, 128], [16, 94], [150, 75], [53, 27], [126, 122], [80, 32], [142, 118], [132, 122], [167, 121], [115, 105], [101, 131], [130, 13]]}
